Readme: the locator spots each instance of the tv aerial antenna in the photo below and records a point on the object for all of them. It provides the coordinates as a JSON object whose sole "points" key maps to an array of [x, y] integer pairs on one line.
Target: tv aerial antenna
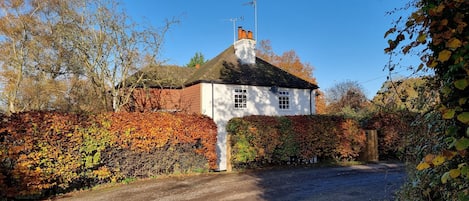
{"points": [[254, 4], [234, 20]]}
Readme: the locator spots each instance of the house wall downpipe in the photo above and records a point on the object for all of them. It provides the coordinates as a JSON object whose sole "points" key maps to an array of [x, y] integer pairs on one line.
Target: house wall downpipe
{"points": [[213, 104], [310, 102]]}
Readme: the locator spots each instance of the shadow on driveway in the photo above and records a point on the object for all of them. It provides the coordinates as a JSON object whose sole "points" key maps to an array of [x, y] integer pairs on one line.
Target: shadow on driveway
{"points": [[361, 182]]}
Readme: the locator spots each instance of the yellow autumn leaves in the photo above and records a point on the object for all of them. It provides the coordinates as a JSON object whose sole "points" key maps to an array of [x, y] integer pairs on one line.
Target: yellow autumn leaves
{"points": [[461, 171], [445, 55], [453, 43], [422, 38], [432, 160], [423, 166]]}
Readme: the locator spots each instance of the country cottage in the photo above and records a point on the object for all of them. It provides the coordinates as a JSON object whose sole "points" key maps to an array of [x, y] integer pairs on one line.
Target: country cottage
{"points": [[235, 83]]}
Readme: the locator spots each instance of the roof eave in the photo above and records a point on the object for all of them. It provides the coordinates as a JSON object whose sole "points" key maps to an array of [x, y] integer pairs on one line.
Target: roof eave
{"points": [[312, 86]]}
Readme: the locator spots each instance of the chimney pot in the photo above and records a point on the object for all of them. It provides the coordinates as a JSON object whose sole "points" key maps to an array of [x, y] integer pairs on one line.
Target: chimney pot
{"points": [[240, 32], [250, 35]]}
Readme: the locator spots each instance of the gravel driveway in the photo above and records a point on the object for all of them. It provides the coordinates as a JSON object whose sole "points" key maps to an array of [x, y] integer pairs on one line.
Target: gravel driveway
{"points": [[360, 182]]}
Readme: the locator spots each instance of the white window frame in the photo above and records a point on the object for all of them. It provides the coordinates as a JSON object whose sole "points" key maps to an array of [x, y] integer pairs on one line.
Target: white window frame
{"points": [[240, 98], [284, 100]]}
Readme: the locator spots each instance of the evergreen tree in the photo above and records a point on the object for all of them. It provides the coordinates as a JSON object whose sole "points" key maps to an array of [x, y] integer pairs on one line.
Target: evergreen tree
{"points": [[197, 59]]}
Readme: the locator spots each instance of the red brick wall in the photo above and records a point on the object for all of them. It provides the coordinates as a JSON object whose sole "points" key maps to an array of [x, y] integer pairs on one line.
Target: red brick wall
{"points": [[154, 100], [191, 98], [184, 100]]}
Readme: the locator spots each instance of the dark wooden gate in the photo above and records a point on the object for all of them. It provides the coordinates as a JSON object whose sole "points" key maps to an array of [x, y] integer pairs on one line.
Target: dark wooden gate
{"points": [[370, 152]]}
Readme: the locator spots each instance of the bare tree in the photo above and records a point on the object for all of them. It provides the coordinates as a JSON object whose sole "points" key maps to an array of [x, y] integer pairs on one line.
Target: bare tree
{"points": [[348, 95], [17, 31], [51, 49], [112, 48]]}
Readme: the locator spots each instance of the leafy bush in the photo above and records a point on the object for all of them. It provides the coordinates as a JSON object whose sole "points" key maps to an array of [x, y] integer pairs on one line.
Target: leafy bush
{"points": [[142, 132], [328, 136], [427, 155], [393, 129], [163, 160], [441, 41], [259, 140], [44, 153], [47, 151]]}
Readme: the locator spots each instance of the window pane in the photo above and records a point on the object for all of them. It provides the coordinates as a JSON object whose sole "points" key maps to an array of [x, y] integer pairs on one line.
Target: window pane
{"points": [[240, 98], [284, 100]]}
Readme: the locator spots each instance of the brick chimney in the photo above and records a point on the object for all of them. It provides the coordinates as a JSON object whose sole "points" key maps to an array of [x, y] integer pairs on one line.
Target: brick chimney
{"points": [[245, 47]]}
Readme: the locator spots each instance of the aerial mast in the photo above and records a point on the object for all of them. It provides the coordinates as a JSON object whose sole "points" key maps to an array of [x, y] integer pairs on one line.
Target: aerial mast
{"points": [[255, 17], [254, 3], [234, 26]]}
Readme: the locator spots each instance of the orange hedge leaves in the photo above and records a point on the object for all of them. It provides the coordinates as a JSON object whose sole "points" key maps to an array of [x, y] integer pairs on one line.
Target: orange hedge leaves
{"points": [[392, 128], [44, 153], [38, 151], [259, 139], [328, 136], [145, 131]]}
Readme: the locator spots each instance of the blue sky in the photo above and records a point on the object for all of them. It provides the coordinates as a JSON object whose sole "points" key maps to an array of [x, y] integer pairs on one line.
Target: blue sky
{"points": [[342, 39]]}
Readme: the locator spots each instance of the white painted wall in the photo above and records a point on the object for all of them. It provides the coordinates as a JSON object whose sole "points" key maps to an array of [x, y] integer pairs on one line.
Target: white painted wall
{"points": [[260, 101], [245, 50]]}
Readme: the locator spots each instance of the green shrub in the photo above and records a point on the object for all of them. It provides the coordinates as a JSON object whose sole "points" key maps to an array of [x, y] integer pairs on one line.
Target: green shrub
{"points": [[288, 144]]}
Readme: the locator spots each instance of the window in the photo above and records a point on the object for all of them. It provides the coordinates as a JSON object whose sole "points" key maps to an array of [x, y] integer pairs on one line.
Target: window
{"points": [[240, 98], [284, 100]]}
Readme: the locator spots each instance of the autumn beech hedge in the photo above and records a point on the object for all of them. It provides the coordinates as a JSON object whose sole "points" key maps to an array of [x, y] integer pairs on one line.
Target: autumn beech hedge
{"points": [[176, 136], [44, 153], [393, 132], [264, 140]]}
